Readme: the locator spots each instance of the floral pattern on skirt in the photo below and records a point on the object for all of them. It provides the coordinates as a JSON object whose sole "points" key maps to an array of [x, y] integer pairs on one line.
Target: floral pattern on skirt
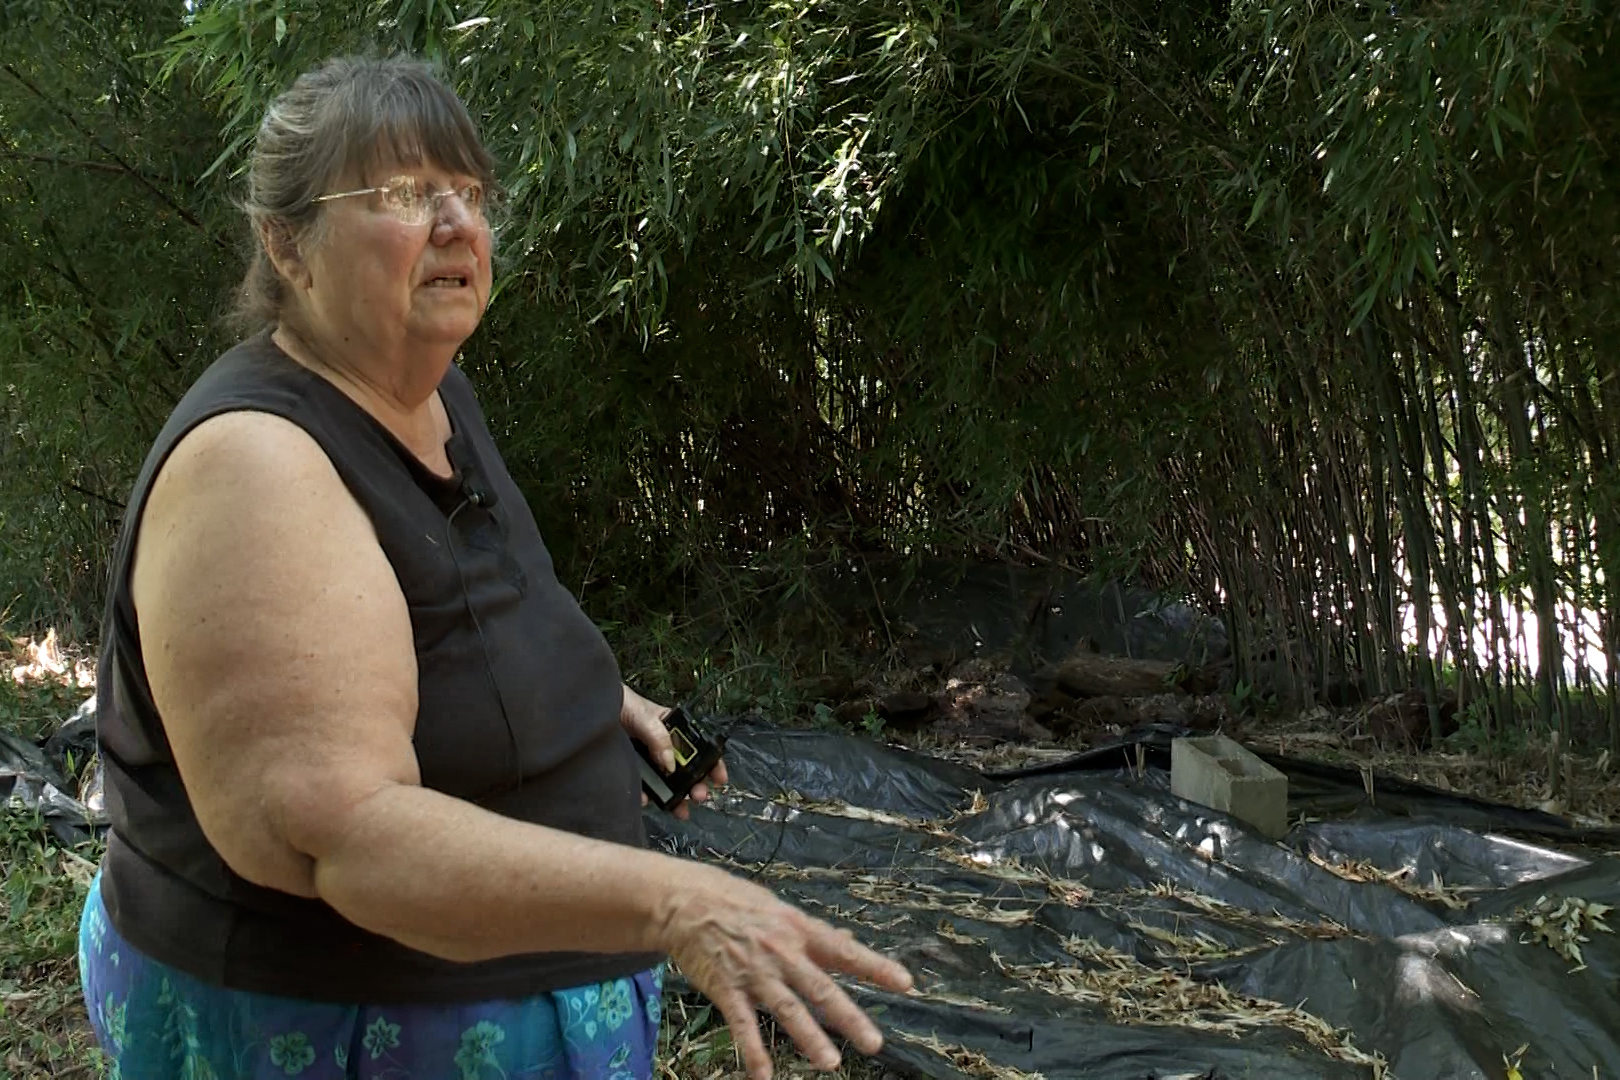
{"points": [[157, 1023]]}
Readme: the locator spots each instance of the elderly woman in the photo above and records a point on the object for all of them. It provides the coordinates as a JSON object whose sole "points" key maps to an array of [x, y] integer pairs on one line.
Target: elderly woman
{"points": [[376, 810]]}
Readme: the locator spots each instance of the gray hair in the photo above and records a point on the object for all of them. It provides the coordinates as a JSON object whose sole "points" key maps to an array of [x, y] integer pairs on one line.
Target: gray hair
{"points": [[334, 123]]}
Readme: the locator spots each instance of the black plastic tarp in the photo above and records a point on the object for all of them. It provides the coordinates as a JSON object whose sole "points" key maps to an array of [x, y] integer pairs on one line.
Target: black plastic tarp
{"points": [[1075, 919], [59, 778], [1078, 920]]}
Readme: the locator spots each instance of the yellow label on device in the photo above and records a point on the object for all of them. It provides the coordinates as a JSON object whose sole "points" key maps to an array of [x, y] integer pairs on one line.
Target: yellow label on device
{"points": [[684, 750]]}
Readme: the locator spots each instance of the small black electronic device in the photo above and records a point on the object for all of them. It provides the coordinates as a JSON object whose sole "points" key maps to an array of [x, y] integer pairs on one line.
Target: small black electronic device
{"points": [[696, 751]]}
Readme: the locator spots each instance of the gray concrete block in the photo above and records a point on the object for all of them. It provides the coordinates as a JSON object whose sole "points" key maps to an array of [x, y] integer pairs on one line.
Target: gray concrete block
{"points": [[1216, 772]]}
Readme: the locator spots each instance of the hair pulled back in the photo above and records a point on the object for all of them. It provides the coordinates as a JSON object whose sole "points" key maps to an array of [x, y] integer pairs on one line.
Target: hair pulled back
{"points": [[336, 124]]}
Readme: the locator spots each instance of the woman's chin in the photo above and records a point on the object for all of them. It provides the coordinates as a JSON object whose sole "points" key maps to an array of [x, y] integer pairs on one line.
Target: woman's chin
{"points": [[446, 329]]}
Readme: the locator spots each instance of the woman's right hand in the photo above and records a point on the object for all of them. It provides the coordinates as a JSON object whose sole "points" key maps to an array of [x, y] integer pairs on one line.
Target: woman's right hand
{"points": [[744, 949]]}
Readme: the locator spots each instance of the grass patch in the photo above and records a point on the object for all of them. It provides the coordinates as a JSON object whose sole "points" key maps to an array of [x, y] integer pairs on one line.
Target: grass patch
{"points": [[43, 1028]]}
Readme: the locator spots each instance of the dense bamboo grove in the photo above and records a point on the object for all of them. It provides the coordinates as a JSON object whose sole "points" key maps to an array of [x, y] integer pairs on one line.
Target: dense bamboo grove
{"points": [[1306, 311]]}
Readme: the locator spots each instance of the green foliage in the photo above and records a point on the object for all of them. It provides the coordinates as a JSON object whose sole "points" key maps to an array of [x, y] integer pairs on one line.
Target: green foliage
{"points": [[1304, 310], [873, 724], [697, 1036], [33, 710], [113, 260], [42, 902], [775, 272]]}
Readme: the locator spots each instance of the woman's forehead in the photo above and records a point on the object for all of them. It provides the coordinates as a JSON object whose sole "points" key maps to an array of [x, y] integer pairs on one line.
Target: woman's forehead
{"points": [[414, 140], [411, 149], [385, 166]]}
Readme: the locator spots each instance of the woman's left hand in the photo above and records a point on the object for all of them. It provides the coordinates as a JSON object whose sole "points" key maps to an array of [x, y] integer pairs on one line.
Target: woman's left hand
{"points": [[644, 720]]}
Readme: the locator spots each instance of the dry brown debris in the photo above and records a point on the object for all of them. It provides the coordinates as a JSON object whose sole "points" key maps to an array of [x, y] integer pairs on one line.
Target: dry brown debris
{"points": [[1130, 992], [914, 896], [968, 1061], [1588, 792], [1403, 880], [1233, 915]]}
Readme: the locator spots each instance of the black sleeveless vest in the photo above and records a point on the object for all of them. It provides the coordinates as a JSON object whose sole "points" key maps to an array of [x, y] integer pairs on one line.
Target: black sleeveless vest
{"points": [[519, 705]]}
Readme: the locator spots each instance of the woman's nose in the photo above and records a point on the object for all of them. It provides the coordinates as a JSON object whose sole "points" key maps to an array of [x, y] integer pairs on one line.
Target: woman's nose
{"points": [[455, 217]]}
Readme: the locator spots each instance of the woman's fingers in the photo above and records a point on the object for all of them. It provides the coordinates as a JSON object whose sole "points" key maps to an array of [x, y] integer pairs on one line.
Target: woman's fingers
{"points": [[795, 1018], [699, 793], [807, 1002], [656, 736], [741, 1018], [747, 950], [644, 720], [833, 1008], [838, 950]]}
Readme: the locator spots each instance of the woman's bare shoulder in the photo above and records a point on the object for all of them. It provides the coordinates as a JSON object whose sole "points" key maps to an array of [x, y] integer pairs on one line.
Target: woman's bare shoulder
{"points": [[243, 447]]}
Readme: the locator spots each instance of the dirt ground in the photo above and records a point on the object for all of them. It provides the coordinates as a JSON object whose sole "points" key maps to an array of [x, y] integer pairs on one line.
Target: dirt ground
{"points": [[979, 713]]}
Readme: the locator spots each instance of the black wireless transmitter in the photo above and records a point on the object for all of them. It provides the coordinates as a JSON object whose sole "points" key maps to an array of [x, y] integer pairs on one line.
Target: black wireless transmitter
{"points": [[696, 751]]}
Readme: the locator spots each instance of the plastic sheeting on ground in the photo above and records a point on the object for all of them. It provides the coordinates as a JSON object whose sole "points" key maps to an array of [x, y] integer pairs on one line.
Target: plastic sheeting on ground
{"points": [[1077, 920], [41, 777]]}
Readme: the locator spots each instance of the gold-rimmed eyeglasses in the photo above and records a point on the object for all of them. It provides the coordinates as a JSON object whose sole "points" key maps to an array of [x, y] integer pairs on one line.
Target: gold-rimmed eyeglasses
{"points": [[413, 202]]}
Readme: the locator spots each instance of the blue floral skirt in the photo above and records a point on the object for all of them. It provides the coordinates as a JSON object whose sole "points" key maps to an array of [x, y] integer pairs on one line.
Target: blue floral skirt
{"points": [[157, 1023]]}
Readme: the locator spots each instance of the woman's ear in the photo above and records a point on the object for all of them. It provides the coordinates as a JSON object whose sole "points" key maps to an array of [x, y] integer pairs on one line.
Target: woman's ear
{"points": [[282, 248]]}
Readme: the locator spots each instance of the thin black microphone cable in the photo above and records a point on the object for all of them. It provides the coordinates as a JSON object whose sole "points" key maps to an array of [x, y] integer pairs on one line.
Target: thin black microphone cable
{"points": [[689, 704], [781, 828]]}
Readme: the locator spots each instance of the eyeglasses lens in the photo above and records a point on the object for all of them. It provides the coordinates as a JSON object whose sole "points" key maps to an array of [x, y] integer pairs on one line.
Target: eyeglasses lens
{"points": [[407, 200]]}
